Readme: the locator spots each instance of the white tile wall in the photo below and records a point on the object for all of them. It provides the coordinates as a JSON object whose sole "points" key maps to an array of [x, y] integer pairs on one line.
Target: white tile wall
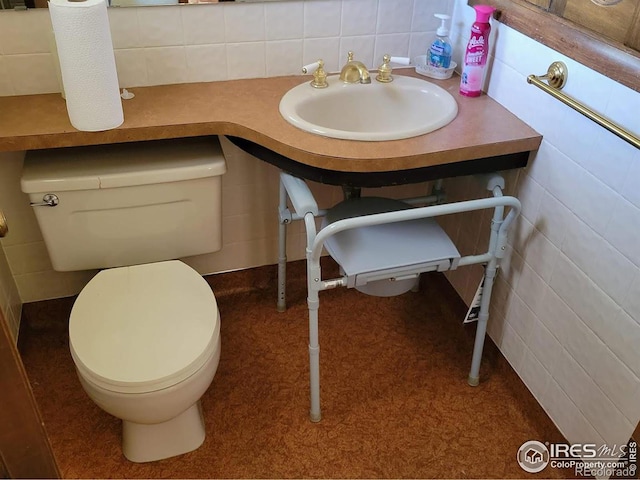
{"points": [[359, 17], [155, 46], [33, 72], [166, 64], [394, 16], [322, 19], [22, 34], [571, 326], [159, 27], [284, 21]]}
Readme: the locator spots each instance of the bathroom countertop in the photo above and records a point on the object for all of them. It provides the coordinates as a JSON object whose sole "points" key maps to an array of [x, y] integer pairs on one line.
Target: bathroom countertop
{"points": [[248, 109]]}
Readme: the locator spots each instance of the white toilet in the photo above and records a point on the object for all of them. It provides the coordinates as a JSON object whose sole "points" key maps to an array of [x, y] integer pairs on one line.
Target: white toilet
{"points": [[145, 335]]}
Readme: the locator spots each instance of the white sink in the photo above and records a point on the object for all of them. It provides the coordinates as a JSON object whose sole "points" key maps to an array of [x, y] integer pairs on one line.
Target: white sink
{"points": [[404, 108]]}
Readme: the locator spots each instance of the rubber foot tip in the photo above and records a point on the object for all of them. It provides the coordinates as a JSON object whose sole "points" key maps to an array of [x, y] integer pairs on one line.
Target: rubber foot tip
{"points": [[474, 381]]}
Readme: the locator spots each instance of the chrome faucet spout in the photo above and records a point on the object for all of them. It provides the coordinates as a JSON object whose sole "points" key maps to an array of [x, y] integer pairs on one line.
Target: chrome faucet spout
{"points": [[354, 71]]}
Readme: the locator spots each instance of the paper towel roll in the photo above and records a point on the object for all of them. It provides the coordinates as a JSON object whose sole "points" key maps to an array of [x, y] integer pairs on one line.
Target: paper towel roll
{"points": [[87, 63]]}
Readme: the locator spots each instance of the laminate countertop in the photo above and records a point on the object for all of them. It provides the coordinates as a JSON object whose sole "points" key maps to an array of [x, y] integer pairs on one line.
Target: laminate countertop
{"points": [[248, 110]]}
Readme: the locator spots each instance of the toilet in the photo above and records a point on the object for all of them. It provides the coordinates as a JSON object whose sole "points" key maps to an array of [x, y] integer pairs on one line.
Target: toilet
{"points": [[144, 333]]}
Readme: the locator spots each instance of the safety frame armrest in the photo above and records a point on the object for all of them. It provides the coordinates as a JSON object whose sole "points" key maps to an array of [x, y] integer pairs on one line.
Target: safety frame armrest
{"points": [[300, 195]]}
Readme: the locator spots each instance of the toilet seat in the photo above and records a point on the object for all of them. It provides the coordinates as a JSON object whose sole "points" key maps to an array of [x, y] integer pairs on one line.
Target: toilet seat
{"points": [[143, 328]]}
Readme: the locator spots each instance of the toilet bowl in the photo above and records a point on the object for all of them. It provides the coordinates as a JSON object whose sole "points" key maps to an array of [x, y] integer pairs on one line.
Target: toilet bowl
{"points": [[145, 340], [144, 333]]}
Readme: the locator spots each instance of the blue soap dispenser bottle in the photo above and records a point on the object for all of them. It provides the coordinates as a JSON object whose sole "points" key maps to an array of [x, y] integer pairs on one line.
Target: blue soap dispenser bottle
{"points": [[439, 54]]}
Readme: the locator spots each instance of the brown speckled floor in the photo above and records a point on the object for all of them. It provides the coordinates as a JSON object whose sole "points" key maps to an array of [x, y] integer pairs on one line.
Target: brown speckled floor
{"points": [[394, 394]]}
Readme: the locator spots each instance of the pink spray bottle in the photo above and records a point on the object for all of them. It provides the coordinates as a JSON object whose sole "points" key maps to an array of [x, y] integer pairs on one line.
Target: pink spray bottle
{"points": [[475, 57]]}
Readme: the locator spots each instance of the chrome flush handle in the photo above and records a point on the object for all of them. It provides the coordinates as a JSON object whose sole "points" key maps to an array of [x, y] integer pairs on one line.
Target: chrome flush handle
{"points": [[48, 200]]}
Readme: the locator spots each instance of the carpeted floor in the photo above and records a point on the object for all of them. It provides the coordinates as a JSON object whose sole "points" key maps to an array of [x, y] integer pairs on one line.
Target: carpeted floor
{"points": [[394, 394]]}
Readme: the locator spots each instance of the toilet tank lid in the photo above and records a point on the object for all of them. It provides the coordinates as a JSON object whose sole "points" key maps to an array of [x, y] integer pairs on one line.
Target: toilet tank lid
{"points": [[122, 165]]}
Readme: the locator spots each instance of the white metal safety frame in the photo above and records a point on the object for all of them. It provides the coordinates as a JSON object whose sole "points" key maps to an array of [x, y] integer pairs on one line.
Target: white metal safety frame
{"points": [[295, 191]]}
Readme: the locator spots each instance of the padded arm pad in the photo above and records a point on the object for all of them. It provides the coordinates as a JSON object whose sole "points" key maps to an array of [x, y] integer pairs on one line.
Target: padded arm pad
{"points": [[300, 195]]}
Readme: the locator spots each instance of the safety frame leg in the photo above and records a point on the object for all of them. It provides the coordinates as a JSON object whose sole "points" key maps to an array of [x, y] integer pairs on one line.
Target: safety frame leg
{"points": [[481, 328], [313, 302]]}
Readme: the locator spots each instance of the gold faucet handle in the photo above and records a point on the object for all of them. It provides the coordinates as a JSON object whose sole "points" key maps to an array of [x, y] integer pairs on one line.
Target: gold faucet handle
{"points": [[349, 57], [319, 75], [384, 70]]}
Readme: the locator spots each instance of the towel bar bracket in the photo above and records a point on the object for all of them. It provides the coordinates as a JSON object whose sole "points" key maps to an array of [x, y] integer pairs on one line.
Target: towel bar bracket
{"points": [[556, 75]]}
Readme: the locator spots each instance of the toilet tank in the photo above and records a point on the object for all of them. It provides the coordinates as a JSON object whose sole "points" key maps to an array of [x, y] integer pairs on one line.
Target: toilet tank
{"points": [[127, 204]]}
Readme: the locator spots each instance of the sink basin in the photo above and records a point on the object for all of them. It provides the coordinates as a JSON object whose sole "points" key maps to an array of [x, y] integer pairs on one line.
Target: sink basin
{"points": [[404, 108]]}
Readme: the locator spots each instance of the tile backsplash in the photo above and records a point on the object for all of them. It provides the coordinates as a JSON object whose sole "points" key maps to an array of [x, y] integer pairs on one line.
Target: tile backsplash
{"points": [[203, 43]]}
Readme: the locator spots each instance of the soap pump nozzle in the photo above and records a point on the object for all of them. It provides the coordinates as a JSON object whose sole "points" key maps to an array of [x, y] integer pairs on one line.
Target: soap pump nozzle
{"points": [[442, 31]]}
